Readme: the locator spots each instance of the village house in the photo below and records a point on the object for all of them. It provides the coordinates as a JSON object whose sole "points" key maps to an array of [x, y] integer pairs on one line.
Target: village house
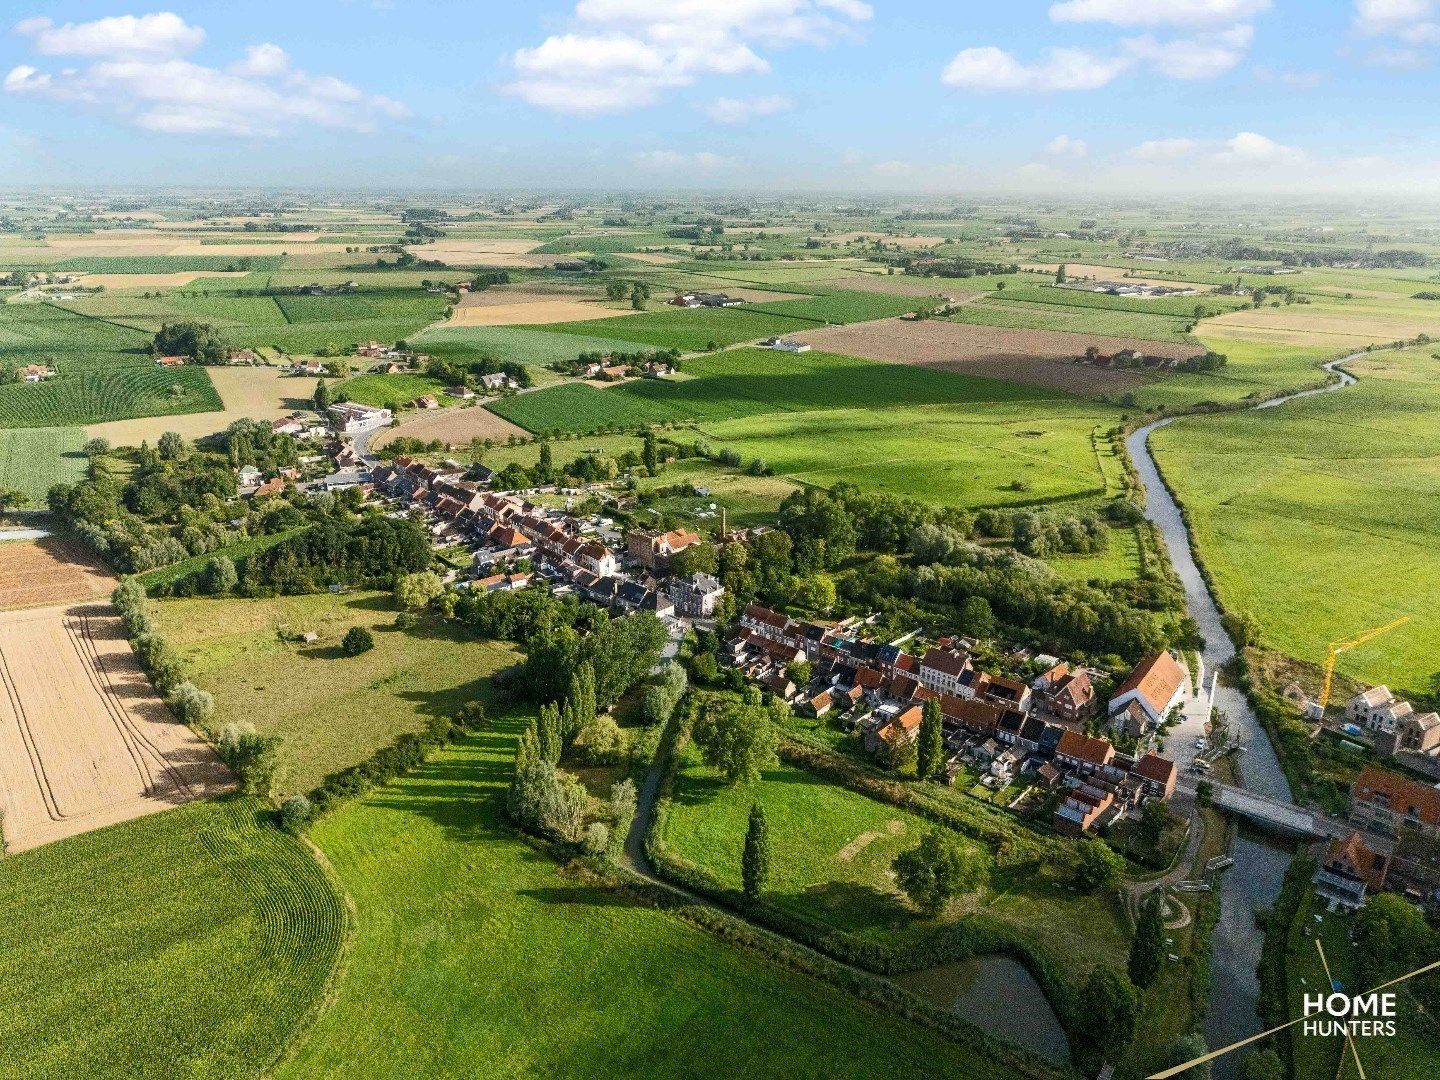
{"points": [[1377, 709], [653, 550], [1387, 802], [171, 361], [242, 358], [1081, 809], [904, 726], [942, 669], [1418, 733], [34, 373], [1068, 694], [1158, 775], [1155, 686], [697, 595], [498, 381], [1083, 753], [312, 368], [1350, 870], [289, 425], [271, 488], [464, 393], [350, 417], [426, 401], [704, 299], [248, 478]]}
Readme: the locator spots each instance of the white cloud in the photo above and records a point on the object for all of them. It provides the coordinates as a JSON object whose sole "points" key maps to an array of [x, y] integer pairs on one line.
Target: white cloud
{"points": [[139, 77], [1412, 21], [726, 110], [1204, 56], [1165, 149], [659, 160], [892, 168], [159, 36], [1065, 146], [1158, 12], [988, 68], [1249, 149], [624, 54]]}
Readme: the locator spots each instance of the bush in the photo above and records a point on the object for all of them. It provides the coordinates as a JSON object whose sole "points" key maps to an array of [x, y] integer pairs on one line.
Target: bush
{"points": [[357, 640], [255, 758], [192, 705], [295, 813]]}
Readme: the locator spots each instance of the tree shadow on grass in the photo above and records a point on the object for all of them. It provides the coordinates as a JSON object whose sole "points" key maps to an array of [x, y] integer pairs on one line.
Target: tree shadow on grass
{"points": [[581, 895], [849, 905]]}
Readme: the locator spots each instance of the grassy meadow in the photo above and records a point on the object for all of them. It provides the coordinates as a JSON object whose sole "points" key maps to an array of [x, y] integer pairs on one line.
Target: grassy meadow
{"points": [[330, 710], [197, 942], [1319, 516], [476, 956]]}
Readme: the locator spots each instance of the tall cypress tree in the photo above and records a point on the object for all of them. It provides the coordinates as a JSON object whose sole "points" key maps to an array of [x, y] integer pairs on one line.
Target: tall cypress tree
{"points": [[552, 740], [930, 753], [755, 867], [1148, 947]]}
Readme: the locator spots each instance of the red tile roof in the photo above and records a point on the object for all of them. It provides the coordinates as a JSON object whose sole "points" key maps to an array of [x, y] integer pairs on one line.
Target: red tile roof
{"points": [[1400, 795], [1085, 748], [1157, 678]]}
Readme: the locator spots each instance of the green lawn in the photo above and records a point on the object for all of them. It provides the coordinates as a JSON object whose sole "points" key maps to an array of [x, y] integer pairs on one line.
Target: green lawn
{"points": [[1031, 315], [832, 850], [476, 957], [1319, 516], [196, 942], [32, 460], [331, 710], [379, 390]]}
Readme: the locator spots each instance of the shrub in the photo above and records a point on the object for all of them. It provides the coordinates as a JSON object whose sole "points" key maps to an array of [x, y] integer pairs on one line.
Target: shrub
{"points": [[295, 813], [255, 758], [357, 640], [192, 705]]}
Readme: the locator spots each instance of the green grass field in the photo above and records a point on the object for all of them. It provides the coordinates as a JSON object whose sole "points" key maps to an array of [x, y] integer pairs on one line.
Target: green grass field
{"points": [[32, 460], [331, 710], [1319, 516], [380, 390], [197, 942], [840, 307], [475, 956], [832, 850], [1029, 315], [101, 372]]}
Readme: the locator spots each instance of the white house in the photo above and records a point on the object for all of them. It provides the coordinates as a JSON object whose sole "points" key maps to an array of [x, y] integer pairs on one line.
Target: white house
{"points": [[1377, 709], [349, 417], [1157, 684], [787, 345]]}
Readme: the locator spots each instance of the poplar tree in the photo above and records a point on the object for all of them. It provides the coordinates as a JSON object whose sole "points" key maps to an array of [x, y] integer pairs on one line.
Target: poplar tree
{"points": [[755, 867], [930, 753]]}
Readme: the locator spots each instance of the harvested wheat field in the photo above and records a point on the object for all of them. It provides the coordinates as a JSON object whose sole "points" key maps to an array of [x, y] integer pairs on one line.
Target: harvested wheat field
{"points": [[84, 739], [1299, 326], [49, 571], [494, 307], [896, 285], [1037, 357], [1113, 273], [658, 258], [455, 427], [896, 241]]}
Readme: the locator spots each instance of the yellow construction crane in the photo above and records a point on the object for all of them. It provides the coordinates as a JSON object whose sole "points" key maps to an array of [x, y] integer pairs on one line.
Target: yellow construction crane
{"points": [[1337, 647]]}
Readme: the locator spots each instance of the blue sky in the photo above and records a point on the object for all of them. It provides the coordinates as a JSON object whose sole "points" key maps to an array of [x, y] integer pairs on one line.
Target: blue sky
{"points": [[883, 95]]}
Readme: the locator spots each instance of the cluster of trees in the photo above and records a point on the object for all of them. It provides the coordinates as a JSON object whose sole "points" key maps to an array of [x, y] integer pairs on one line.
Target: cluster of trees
{"points": [[1204, 364], [455, 373], [339, 549], [1040, 535], [199, 341], [483, 279], [955, 267], [631, 360]]}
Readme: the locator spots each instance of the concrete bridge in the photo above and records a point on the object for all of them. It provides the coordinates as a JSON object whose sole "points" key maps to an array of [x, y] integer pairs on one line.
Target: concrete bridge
{"points": [[1284, 816]]}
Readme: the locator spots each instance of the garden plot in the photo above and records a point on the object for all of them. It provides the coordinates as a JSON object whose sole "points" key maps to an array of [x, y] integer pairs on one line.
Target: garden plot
{"points": [[84, 740]]}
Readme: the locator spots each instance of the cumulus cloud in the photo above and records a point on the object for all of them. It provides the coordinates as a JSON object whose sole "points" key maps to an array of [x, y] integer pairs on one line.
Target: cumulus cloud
{"points": [[671, 160], [624, 54], [1158, 12], [988, 68], [1249, 149], [158, 36], [1201, 57], [139, 74], [1065, 147], [727, 110]]}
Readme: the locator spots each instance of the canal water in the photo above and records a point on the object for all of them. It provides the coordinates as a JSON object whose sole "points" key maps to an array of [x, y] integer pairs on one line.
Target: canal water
{"points": [[1254, 881]]}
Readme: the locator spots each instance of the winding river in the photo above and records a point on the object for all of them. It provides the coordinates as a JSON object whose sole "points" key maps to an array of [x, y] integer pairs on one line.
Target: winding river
{"points": [[1255, 880]]}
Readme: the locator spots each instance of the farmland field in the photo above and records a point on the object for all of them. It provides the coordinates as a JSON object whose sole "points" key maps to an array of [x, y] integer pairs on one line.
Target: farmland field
{"points": [[49, 571], [1318, 516], [101, 372], [84, 739], [531, 347], [32, 460], [193, 943], [1071, 318], [686, 329], [840, 307], [465, 937], [253, 393], [331, 710], [454, 427]]}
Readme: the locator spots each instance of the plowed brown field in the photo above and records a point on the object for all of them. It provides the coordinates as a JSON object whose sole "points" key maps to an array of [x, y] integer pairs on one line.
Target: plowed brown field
{"points": [[51, 571]]}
